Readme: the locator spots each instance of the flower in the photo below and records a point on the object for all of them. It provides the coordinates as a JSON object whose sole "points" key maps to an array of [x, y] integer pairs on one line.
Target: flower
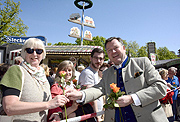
{"points": [[116, 89], [74, 81], [173, 86], [75, 84], [112, 85], [61, 81], [113, 96], [62, 73]]}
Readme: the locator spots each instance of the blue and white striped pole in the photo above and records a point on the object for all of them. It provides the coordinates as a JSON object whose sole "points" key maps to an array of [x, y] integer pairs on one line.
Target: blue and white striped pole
{"points": [[82, 24]]}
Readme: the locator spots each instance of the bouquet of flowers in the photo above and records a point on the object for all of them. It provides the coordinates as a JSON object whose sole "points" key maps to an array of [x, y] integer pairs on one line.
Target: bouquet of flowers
{"points": [[113, 96]]}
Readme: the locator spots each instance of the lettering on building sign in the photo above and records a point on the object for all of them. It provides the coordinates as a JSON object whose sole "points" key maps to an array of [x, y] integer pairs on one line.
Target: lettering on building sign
{"points": [[16, 40], [21, 40]]}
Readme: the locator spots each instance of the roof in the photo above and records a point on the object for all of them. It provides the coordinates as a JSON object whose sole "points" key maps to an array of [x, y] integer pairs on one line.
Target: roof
{"points": [[67, 49], [167, 63]]}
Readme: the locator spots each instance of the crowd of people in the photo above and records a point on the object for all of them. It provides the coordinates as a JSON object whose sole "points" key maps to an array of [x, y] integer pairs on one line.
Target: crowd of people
{"points": [[170, 102], [31, 91]]}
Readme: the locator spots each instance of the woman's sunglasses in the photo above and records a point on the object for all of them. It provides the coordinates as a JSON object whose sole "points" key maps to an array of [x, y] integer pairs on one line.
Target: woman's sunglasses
{"points": [[30, 51]]}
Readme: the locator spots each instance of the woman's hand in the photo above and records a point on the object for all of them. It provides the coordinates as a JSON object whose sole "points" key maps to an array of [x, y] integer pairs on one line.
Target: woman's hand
{"points": [[54, 117], [59, 100]]}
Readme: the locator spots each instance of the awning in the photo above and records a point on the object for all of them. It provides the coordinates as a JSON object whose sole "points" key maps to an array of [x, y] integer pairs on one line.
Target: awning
{"points": [[64, 50], [167, 63], [70, 49]]}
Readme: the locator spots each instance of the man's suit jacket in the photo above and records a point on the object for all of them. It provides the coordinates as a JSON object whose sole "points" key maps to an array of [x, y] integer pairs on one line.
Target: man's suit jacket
{"points": [[149, 87]]}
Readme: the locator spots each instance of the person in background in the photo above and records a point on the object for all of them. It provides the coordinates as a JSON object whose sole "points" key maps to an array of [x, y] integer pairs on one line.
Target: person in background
{"points": [[110, 63], [73, 109], [174, 83], [89, 76], [101, 69], [100, 73], [53, 72], [137, 77], [167, 100], [47, 72], [80, 68], [25, 88], [18, 60], [73, 60], [3, 69], [178, 75]]}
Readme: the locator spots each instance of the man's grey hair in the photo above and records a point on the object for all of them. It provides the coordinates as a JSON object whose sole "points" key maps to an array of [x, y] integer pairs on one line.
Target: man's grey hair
{"points": [[174, 69]]}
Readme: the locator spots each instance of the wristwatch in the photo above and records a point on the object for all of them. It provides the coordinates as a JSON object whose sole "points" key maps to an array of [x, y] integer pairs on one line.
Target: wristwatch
{"points": [[60, 115]]}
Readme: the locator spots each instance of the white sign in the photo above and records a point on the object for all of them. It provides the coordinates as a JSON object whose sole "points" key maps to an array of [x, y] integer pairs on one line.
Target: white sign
{"points": [[75, 31], [88, 35], [153, 58]]}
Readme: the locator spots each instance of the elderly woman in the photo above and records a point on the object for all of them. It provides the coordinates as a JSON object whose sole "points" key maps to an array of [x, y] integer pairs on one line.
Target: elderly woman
{"points": [[26, 91], [167, 100]]}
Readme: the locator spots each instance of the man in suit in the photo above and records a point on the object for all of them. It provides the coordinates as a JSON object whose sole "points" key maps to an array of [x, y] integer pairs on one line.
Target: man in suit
{"points": [[143, 91]]}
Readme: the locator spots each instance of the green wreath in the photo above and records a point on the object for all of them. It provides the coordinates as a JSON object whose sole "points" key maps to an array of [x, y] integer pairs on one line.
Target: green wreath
{"points": [[90, 3]]}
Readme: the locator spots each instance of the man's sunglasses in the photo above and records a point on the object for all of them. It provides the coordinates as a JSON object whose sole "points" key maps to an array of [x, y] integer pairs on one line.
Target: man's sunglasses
{"points": [[30, 51]]}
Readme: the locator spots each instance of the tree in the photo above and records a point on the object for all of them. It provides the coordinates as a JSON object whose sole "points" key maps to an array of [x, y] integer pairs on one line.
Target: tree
{"points": [[142, 52], [132, 48], [49, 44], [163, 54], [62, 43], [10, 23]]}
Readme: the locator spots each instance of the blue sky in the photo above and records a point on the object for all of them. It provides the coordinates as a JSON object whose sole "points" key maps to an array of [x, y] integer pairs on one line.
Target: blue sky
{"points": [[142, 21]]}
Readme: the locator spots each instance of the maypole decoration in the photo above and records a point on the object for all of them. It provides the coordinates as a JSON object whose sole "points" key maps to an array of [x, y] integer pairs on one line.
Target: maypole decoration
{"points": [[87, 21]]}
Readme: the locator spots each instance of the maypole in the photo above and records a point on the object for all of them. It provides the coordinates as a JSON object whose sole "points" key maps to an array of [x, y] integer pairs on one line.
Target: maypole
{"points": [[87, 21], [82, 25]]}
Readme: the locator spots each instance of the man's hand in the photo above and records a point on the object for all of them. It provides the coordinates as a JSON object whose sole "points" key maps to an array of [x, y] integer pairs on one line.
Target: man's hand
{"points": [[73, 94], [125, 100]]}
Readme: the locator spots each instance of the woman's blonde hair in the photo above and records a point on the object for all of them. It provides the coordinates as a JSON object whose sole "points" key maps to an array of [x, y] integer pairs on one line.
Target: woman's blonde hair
{"points": [[33, 43], [46, 69], [63, 65], [163, 72]]}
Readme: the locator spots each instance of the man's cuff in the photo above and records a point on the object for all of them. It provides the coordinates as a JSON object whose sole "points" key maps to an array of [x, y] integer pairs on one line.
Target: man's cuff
{"points": [[83, 98], [136, 100]]}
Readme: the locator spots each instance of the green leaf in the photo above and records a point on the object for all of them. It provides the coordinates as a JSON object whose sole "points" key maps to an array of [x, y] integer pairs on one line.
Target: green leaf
{"points": [[116, 105], [78, 86], [68, 83]]}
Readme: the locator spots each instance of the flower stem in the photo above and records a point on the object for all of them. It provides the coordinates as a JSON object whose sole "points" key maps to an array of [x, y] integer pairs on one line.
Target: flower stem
{"points": [[120, 116], [83, 112], [65, 106]]}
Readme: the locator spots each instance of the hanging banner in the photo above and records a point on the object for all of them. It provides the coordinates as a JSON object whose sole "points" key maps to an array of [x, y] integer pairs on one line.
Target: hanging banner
{"points": [[21, 40]]}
